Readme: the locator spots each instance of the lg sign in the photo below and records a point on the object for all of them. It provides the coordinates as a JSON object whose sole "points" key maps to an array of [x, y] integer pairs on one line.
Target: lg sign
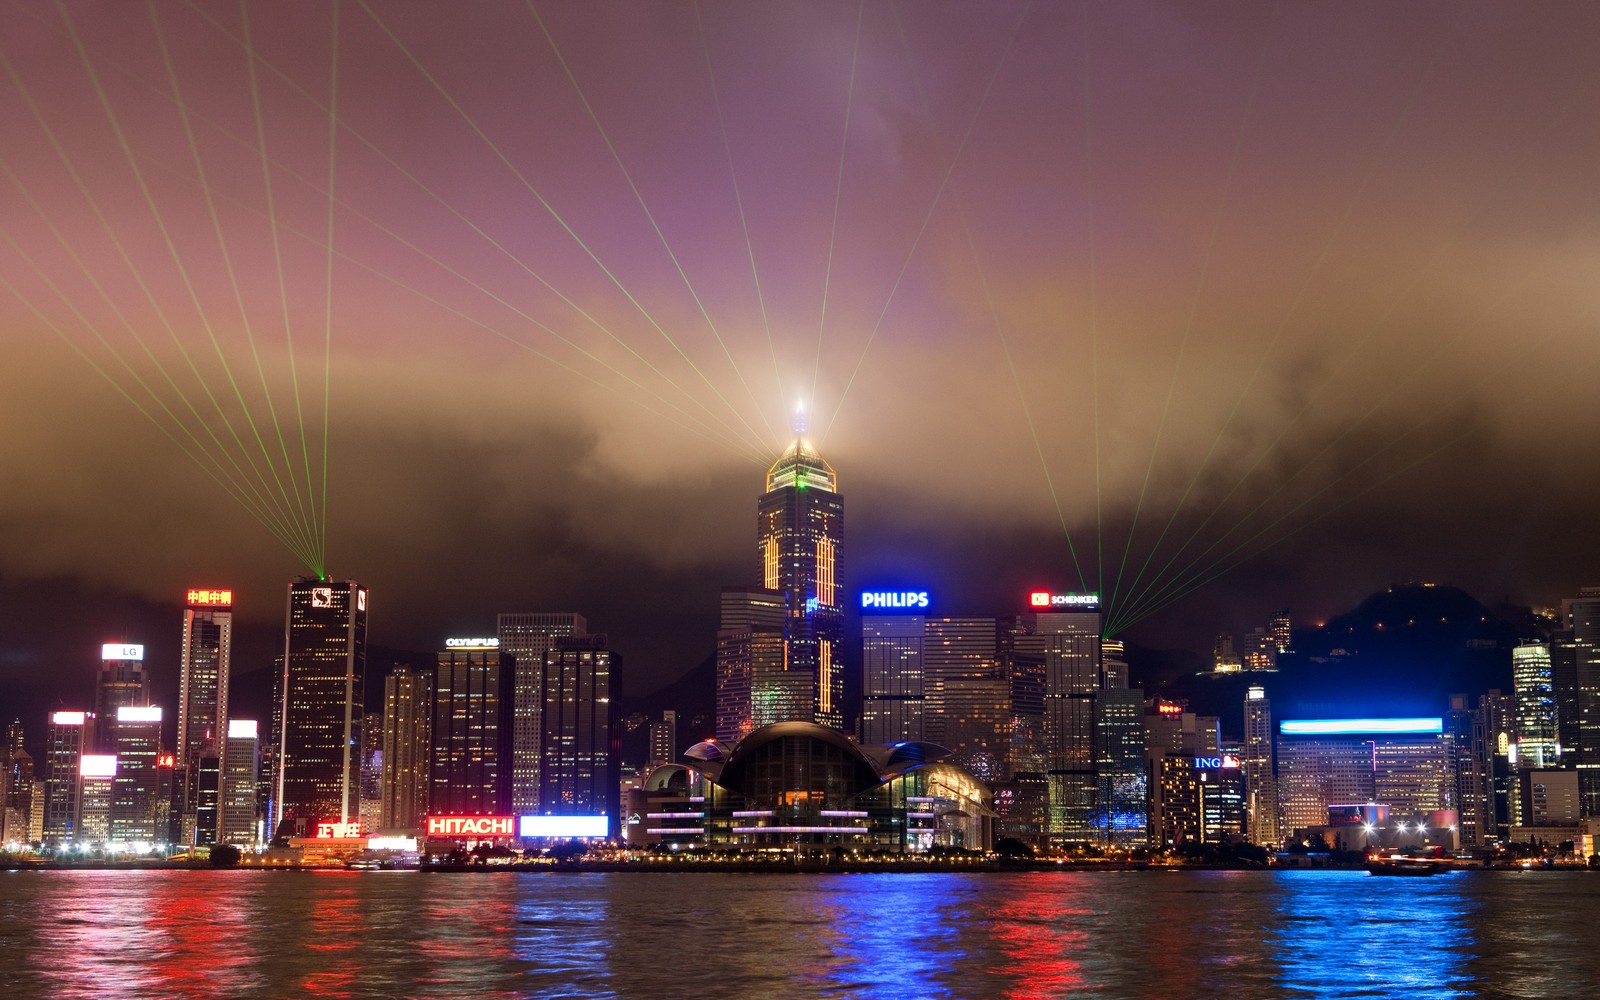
{"points": [[1045, 599]]}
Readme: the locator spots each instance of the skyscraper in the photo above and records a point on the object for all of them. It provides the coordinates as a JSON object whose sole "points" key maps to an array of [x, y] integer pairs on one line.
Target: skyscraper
{"points": [[799, 525], [137, 810], [241, 769], [1536, 706], [204, 666], [580, 769], [1069, 643], [1583, 617], [664, 739], [318, 766], [68, 739], [753, 687], [892, 668], [16, 801], [467, 773], [1260, 781], [526, 637], [122, 680], [407, 747]]}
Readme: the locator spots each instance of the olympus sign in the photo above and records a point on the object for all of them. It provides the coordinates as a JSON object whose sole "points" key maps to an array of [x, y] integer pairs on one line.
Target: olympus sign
{"points": [[471, 643], [894, 599]]}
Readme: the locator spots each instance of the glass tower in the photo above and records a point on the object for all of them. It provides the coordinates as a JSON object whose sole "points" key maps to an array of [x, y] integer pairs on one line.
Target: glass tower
{"points": [[526, 637], [202, 691], [580, 773], [467, 775]]}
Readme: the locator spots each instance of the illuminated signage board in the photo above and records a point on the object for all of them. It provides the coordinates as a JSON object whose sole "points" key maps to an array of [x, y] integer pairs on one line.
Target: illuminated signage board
{"points": [[1045, 599], [361, 600], [472, 826], [1226, 760], [138, 713], [1361, 727], [564, 826], [121, 651], [66, 718], [166, 760], [1169, 708], [472, 642], [894, 600], [241, 729], [210, 598], [332, 829], [97, 765], [322, 597]]}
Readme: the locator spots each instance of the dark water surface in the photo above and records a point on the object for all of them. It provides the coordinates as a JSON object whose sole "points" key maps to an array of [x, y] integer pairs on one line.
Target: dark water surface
{"points": [[1239, 935]]}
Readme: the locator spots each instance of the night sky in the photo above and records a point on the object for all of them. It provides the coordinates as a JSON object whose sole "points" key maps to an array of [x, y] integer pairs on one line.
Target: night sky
{"points": [[1211, 308]]}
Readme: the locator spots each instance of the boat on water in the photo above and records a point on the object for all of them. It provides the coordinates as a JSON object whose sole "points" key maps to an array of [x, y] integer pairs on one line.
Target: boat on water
{"points": [[1403, 866]]}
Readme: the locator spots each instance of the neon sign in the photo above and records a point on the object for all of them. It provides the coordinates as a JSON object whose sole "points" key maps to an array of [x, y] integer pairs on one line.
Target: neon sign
{"points": [[893, 599], [1355, 727], [472, 643], [332, 829], [1213, 763], [121, 651], [472, 826], [166, 760], [211, 598], [241, 729], [66, 718], [97, 765], [1045, 599]]}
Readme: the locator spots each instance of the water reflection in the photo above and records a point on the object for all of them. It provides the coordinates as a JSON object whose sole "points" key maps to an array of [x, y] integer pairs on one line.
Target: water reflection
{"points": [[1349, 934], [1238, 935]]}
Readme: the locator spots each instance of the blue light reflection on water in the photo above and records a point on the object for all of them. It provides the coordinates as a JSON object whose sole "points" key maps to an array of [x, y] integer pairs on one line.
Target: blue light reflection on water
{"points": [[1350, 934]]}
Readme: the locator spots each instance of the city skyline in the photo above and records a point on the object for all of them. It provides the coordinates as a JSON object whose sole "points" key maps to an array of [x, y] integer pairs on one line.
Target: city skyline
{"points": [[1141, 275]]}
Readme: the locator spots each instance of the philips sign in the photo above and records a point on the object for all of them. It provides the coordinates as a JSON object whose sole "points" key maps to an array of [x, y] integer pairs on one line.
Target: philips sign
{"points": [[1045, 599], [894, 600]]}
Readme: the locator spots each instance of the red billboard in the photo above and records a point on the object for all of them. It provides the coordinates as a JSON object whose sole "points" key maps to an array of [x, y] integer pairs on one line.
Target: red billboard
{"points": [[472, 826], [332, 829], [202, 598]]}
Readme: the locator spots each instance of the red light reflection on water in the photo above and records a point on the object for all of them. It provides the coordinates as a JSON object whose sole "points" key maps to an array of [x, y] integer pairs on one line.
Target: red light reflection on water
{"points": [[334, 929], [1040, 933]]}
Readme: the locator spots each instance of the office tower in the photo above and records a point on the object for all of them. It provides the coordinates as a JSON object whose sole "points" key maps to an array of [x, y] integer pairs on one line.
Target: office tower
{"points": [[977, 724], [1282, 632], [1171, 731], [1535, 705], [664, 739], [1120, 813], [1261, 784], [580, 768], [957, 648], [207, 767], [754, 688], [1469, 801], [138, 813], [471, 713], [1398, 763], [526, 637], [16, 787], [97, 778], [122, 680], [204, 666], [1492, 742], [1202, 800], [1068, 641], [318, 765], [1583, 618], [1564, 690], [241, 770], [799, 524], [68, 739], [407, 748], [893, 681]]}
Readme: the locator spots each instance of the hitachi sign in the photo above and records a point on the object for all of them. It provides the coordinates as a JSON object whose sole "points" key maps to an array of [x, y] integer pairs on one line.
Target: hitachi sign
{"points": [[898, 599], [472, 826]]}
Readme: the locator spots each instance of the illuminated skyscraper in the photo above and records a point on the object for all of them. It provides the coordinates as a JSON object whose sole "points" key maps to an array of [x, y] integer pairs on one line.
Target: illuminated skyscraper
{"points": [[1119, 753], [467, 773], [526, 637], [580, 766], [893, 678], [1536, 706], [318, 766], [1261, 783], [241, 769], [122, 680], [799, 524], [1068, 641], [17, 780], [202, 691], [753, 687], [664, 739], [1399, 763], [1583, 617], [68, 739], [137, 810], [407, 747]]}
